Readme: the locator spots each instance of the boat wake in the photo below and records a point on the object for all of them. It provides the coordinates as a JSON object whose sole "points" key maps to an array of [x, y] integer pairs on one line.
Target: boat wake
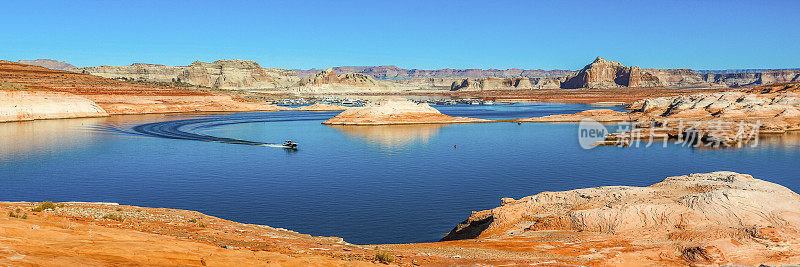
{"points": [[190, 129]]}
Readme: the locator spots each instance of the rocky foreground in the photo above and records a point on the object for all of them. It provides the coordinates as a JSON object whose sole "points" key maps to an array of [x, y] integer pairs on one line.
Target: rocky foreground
{"points": [[395, 111], [705, 219], [98, 234]]}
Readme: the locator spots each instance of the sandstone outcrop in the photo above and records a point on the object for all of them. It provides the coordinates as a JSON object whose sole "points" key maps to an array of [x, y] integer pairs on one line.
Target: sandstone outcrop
{"points": [[754, 103], [394, 111], [221, 74], [48, 63], [677, 77], [36, 105], [327, 81], [706, 218], [329, 77], [236, 74], [775, 88], [755, 78], [601, 115], [321, 107], [604, 73], [466, 85], [723, 118], [492, 83]]}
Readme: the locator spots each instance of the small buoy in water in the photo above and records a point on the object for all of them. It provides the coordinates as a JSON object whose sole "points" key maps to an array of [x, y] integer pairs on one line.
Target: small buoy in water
{"points": [[519, 123], [454, 146]]}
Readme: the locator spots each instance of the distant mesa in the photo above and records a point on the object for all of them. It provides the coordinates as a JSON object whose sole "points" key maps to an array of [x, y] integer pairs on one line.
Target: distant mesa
{"points": [[327, 81], [48, 63], [233, 74], [329, 77], [493, 83]]}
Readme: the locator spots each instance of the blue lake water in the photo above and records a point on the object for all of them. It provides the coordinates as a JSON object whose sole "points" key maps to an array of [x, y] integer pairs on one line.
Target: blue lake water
{"points": [[367, 184]]}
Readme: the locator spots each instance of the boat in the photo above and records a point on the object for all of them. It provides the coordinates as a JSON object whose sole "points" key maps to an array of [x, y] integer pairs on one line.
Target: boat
{"points": [[289, 144]]}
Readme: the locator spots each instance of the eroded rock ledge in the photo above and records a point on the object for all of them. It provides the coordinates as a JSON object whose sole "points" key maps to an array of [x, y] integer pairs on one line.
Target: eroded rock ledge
{"points": [[716, 218], [717, 118], [33, 105]]}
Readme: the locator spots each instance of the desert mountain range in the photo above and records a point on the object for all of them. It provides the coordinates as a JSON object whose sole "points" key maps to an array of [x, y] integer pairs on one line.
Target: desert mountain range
{"points": [[248, 75]]}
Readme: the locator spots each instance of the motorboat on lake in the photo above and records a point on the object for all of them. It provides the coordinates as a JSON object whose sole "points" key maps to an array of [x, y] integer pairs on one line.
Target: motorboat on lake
{"points": [[289, 144]]}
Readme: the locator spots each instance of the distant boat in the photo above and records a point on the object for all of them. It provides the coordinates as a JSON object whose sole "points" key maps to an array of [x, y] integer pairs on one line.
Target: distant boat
{"points": [[289, 144]]}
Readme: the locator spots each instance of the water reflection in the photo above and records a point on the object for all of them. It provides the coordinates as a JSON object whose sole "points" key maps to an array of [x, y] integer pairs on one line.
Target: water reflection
{"points": [[40, 137], [22, 139], [392, 136], [785, 140]]}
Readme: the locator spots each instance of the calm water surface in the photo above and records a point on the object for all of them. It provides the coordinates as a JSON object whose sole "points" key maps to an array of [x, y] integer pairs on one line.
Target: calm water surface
{"points": [[380, 184]]}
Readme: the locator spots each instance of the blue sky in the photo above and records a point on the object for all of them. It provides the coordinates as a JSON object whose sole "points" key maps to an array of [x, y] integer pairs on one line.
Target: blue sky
{"points": [[408, 34]]}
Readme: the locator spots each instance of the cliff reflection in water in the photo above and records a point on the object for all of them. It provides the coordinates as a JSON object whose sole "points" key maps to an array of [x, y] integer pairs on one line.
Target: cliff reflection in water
{"points": [[391, 136], [22, 139], [788, 140]]}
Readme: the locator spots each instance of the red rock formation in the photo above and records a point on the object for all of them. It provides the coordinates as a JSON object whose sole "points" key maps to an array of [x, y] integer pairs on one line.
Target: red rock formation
{"points": [[604, 73]]}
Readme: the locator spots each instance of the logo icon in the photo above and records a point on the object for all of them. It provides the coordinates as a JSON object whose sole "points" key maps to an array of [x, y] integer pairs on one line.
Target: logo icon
{"points": [[590, 132]]}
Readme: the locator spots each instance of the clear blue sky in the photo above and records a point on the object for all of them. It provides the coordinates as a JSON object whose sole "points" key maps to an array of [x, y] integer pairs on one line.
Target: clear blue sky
{"points": [[410, 34]]}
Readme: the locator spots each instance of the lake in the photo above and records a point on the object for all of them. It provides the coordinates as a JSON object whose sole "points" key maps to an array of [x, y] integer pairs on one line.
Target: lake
{"points": [[366, 184]]}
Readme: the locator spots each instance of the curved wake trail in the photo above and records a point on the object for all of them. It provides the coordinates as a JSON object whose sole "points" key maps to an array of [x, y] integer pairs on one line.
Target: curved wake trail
{"points": [[172, 130], [186, 129]]}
